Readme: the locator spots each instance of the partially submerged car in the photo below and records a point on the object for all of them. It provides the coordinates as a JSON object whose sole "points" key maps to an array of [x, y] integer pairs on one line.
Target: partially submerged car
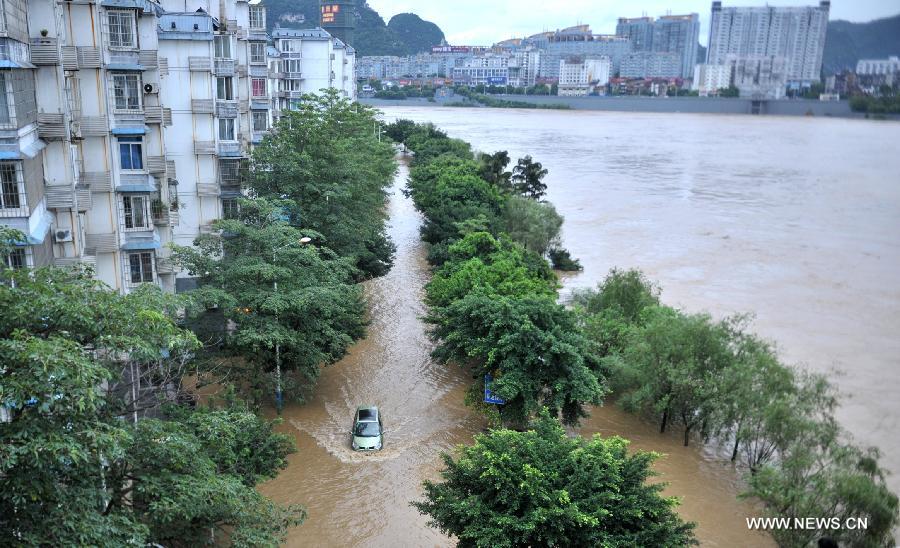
{"points": [[368, 432]]}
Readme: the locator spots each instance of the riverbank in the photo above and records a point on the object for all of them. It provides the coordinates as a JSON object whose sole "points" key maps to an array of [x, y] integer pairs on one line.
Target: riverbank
{"points": [[687, 105]]}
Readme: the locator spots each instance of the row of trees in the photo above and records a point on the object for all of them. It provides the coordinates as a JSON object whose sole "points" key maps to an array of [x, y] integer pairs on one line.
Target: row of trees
{"points": [[493, 307], [102, 442], [720, 383], [283, 274], [75, 360]]}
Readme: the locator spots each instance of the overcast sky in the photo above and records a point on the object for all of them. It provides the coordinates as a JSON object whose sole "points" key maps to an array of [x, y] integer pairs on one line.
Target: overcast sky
{"points": [[484, 22]]}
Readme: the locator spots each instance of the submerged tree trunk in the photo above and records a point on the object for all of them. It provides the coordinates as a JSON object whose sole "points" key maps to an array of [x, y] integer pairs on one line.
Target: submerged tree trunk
{"points": [[734, 452], [665, 421]]}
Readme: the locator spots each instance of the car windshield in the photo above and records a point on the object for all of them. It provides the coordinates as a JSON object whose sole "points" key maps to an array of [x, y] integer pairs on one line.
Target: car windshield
{"points": [[367, 429]]}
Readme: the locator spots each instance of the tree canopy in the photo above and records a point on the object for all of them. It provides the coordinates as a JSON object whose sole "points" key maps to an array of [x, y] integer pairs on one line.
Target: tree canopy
{"points": [[542, 488]]}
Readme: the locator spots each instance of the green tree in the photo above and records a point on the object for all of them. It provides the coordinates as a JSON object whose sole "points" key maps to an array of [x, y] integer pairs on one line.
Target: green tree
{"points": [[8, 237], [528, 177], [531, 346], [672, 367], [542, 488], [483, 264], [493, 169], [535, 225], [286, 297], [326, 156], [615, 307]]}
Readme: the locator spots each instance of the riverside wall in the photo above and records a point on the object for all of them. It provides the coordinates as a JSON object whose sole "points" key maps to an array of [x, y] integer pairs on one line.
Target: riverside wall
{"points": [[693, 105]]}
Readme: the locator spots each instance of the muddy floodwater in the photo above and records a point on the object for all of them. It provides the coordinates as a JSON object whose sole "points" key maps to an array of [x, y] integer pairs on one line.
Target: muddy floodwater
{"points": [[363, 500], [796, 220]]}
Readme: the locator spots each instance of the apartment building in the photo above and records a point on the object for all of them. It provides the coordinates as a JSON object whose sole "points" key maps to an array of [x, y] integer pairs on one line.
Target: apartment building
{"points": [[125, 125], [579, 77], [308, 61], [794, 34], [710, 79], [669, 34]]}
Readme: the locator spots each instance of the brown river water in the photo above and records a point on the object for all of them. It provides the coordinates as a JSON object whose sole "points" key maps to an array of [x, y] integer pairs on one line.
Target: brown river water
{"points": [[796, 220]]}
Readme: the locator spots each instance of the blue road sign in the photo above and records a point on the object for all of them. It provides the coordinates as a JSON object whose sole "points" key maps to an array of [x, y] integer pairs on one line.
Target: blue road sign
{"points": [[489, 396]]}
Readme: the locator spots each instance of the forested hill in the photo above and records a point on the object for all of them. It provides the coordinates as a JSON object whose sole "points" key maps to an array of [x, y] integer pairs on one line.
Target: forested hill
{"points": [[848, 42], [405, 34]]}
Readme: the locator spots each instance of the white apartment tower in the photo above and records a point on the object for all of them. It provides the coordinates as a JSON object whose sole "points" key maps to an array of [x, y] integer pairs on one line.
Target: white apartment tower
{"points": [[308, 61], [125, 125], [795, 34]]}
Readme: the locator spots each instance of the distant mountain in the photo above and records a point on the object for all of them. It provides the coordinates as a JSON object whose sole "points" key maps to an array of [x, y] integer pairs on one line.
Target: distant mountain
{"points": [[848, 42], [406, 34]]}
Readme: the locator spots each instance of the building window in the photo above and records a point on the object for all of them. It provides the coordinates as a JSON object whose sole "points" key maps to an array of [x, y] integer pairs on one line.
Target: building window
{"points": [[127, 91], [288, 46], [18, 258], [11, 186], [223, 47], [140, 267], [226, 129], [258, 86], [135, 212], [230, 171], [257, 17], [121, 29], [131, 155], [4, 101], [292, 65], [224, 88], [257, 52], [230, 208], [260, 120]]}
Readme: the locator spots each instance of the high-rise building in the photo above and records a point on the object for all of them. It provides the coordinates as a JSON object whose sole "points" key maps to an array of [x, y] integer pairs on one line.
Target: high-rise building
{"points": [[678, 34], [669, 34], [579, 77], [338, 18], [579, 41], [794, 34]]}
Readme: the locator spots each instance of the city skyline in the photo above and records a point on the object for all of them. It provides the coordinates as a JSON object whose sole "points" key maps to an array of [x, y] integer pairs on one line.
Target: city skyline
{"points": [[495, 22]]}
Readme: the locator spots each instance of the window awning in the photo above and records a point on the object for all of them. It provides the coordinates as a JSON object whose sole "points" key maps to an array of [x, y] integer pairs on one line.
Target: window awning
{"points": [[137, 130], [141, 244], [39, 228], [33, 148], [125, 66], [7, 64]]}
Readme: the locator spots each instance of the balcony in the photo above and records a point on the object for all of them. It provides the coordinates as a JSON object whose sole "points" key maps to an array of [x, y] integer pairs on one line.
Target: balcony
{"points": [[230, 149], [290, 94], [153, 115], [207, 189], [259, 71], [92, 126], [241, 71], [52, 127], [80, 57], [98, 181], [84, 200], [226, 109], [156, 164], [204, 147], [60, 196], [45, 51], [100, 243], [148, 58], [202, 106], [167, 116], [88, 261], [199, 64], [170, 169], [295, 75], [224, 67]]}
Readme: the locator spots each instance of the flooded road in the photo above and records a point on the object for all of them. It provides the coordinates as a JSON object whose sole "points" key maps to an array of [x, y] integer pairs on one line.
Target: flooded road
{"points": [[363, 500]]}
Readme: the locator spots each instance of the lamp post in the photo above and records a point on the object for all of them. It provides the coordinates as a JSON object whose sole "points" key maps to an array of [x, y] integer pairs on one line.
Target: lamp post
{"points": [[279, 394]]}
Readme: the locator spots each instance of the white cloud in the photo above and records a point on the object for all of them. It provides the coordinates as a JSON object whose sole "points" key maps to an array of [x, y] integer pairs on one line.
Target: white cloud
{"points": [[484, 22]]}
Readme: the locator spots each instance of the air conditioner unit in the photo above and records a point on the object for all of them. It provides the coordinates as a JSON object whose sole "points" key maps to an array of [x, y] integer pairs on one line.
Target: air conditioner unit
{"points": [[62, 236], [151, 87]]}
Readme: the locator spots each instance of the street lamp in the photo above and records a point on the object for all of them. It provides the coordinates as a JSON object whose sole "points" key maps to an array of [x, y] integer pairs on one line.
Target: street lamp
{"points": [[279, 394]]}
